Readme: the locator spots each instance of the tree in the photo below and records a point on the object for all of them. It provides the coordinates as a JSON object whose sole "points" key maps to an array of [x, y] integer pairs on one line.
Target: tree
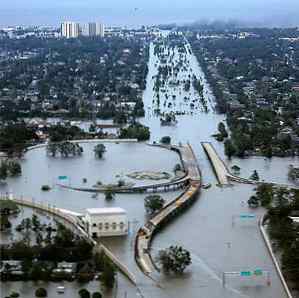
{"points": [[174, 259], [84, 293], [177, 168], [4, 222], [255, 176], [99, 150], [14, 168], [109, 194], [3, 171], [166, 140], [253, 202], [108, 274], [135, 131], [97, 295], [264, 193], [229, 148], [222, 130], [41, 292], [153, 203]]}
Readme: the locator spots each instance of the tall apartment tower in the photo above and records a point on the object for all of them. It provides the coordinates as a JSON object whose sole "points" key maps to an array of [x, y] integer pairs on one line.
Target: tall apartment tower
{"points": [[93, 29], [70, 29], [100, 29]]}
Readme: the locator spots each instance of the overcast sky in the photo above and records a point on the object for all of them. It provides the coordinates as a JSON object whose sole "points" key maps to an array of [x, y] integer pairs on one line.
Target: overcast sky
{"points": [[51, 12]]}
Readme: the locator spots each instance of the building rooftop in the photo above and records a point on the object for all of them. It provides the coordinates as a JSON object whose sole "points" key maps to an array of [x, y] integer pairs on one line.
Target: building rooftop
{"points": [[114, 210]]}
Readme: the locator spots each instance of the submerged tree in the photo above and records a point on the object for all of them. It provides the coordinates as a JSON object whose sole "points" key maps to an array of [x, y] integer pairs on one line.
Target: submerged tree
{"points": [[153, 203], [99, 150], [109, 194], [255, 176], [108, 274], [174, 259]]}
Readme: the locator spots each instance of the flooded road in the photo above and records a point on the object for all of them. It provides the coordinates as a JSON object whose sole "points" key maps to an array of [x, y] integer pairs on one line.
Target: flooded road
{"points": [[216, 242]]}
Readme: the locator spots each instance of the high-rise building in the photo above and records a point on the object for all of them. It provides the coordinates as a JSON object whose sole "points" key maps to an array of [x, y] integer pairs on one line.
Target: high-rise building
{"points": [[100, 29], [70, 29], [93, 29]]}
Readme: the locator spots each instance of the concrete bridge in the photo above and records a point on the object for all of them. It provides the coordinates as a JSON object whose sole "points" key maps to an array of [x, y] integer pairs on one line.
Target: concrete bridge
{"points": [[225, 177], [178, 183], [67, 217], [170, 210]]}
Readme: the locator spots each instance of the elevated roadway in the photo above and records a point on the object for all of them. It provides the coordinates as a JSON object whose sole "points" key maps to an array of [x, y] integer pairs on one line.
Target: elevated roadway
{"points": [[170, 210]]}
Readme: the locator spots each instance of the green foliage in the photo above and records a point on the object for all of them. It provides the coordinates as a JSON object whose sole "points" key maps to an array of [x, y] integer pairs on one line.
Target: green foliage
{"points": [[10, 168], [222, 130], [109, 194], [14, 137], [264, 193], [253, 202], [8, 207], [97, 295], [4, 222], [45, 187], [177, 168], [84, 293], [65, 149], [135, 131], [14, 168], [229, 148], [174, 259], [153, 203], [165, 140], [59, 133], [41, 292], [3, 171], [255, 176], [108, 274], [99, 150]]}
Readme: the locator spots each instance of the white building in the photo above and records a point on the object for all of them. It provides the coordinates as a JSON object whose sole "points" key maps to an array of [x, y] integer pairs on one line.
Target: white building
{"points": [[103, 222], [70, 29]]}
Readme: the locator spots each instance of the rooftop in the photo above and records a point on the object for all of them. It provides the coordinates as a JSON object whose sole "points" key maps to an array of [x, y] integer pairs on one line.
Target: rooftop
{"points": [[114, 210]]}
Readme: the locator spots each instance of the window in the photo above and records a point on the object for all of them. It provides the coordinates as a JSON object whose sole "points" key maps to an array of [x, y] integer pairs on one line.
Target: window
{"points": [[100, 226], [121, 225], [114, 226], [107, 225], [94, 224]]}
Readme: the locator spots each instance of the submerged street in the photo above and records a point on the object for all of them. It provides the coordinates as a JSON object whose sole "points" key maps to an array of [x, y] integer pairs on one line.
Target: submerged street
{"points": [[211, 229]]}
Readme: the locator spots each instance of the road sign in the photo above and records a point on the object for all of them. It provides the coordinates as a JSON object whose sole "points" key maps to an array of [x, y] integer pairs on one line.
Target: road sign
{"points": [[245, 273], [247, 216], [258, 272], [62, 177]]}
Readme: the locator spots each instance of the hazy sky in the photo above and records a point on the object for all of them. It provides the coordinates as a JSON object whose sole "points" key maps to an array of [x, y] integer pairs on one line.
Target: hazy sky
{"points": [[52, 12]]}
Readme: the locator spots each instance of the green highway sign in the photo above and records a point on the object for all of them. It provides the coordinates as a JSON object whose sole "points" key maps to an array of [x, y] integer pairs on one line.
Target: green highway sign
{"points": [[245, 273], [258, 272]]}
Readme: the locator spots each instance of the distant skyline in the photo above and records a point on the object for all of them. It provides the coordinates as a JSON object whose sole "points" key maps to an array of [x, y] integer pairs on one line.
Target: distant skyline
{"points": [[138, 12]]}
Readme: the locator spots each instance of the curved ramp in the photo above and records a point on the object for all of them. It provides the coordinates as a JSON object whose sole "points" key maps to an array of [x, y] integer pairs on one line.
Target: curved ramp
{"points": [[170, 210], [71, 219]]}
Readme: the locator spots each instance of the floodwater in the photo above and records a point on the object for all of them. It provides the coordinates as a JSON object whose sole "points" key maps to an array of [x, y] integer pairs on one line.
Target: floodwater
{"points": [[218, 241]]}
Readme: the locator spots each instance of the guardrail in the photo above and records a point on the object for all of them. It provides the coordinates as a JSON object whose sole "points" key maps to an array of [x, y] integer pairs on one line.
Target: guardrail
{"points": [[276, 264], [73, 221]]}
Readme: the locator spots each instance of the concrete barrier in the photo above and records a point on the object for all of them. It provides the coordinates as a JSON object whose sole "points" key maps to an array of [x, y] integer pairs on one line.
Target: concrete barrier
{"points": [[73, 221], [276, 264]]}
